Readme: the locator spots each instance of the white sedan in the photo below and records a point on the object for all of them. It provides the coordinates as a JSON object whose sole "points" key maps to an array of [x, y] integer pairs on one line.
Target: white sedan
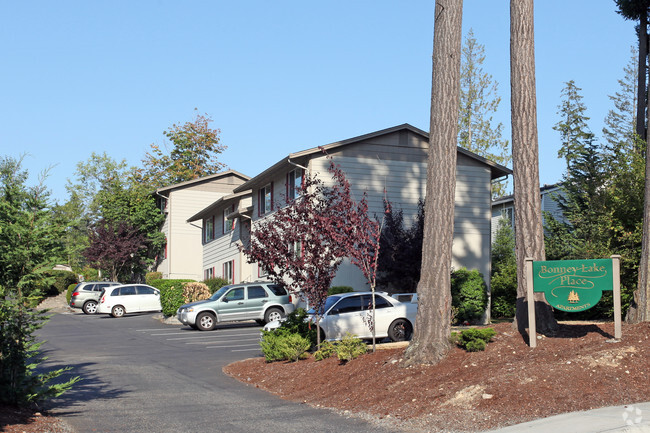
{"points": [[129, 298], [351, 312]]}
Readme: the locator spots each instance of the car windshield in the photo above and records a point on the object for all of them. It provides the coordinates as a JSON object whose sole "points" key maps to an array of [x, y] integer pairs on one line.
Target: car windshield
{"points": [[219, 293], [329, 302]]}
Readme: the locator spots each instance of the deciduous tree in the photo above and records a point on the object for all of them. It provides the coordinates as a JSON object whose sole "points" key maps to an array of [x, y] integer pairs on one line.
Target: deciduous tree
{"points": [[433, 321], [303, 244], [193, 154], [115, 248], [525, 161]]}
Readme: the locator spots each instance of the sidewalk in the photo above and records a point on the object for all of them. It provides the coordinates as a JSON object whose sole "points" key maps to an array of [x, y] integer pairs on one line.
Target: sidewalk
{"points": [[616, 419]]}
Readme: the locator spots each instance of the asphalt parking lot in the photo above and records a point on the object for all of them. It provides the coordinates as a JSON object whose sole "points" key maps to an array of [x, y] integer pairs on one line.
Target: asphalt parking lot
{"points": [[142, 375]]}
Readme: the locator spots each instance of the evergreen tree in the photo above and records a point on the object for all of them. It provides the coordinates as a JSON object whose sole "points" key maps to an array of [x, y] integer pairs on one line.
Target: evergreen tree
{"points": [[479, 101], [503, 283], [29, 236]]}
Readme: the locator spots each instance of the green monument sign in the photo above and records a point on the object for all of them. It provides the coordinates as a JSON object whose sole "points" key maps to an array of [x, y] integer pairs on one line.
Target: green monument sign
{"points": [[573, 285]]}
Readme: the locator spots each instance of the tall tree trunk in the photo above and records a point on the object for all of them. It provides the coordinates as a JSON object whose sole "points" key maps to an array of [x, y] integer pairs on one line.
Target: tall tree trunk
{"points": [[639, 310], [641, 86], [433, 323], [529, 235]]}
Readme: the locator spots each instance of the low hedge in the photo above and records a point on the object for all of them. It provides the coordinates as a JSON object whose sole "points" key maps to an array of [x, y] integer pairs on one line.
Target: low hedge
{"points": [[171, 294]]}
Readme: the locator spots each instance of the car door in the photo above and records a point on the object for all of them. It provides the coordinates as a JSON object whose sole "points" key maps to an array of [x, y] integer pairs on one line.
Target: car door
{"points": [[256, 300], [128, 299], [346, 316], [385, 313], [148, 299], [231, 306]]}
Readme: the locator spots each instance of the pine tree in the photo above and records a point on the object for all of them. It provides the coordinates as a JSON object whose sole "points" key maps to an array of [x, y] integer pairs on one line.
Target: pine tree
{"points": [[479, 101]]}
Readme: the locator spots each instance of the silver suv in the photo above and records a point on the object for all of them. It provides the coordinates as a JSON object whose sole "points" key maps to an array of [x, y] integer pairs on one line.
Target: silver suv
{"points": [[86, 295], [261, 301]]}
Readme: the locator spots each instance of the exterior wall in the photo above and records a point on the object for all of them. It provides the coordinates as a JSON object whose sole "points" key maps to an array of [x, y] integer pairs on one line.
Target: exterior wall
{"points": [[225, 247], [163, 267], [397, 163], [184, 253]]}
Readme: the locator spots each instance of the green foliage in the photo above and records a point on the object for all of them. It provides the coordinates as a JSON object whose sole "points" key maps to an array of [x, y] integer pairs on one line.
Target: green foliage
{"points": [[19, 352], [296, 323], [60, 281], [171, 294], [29, 235], [504, 272], [327, 349], [150, 276], [70, 291], [335, 290], [111, 190], [215, 283], [475, 339], [468, 294], [194, 151], [350, 347], [281, 345]]}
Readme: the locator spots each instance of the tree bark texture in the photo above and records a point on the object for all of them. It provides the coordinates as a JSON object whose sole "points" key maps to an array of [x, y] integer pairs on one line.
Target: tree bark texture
{"points": [[641, 85], [639, 310], [529, 235], [433, 323]]}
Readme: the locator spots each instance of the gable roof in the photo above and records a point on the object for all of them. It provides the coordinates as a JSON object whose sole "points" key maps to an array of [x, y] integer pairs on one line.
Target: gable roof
{"points": [[545, 189], [217, 204], [201, 180], [497, 170]]}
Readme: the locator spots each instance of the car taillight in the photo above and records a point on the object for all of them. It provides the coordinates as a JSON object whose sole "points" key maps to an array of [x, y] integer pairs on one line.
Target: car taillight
{"points": [[290, 298], [103, 299], [75, 294]]}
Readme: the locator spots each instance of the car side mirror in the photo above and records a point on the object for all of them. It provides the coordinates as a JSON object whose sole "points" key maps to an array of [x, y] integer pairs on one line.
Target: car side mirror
{"points": [[334, 312], [224, 300]]}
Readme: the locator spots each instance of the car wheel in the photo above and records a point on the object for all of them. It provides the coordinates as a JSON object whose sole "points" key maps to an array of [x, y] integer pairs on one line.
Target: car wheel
{"points": [[118, 311], [205, 322], [400, 330], [90, 307], [273, 314]]}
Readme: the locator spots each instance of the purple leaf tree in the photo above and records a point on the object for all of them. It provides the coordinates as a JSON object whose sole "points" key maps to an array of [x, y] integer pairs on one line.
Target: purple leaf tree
{"points": [[303, 244]]}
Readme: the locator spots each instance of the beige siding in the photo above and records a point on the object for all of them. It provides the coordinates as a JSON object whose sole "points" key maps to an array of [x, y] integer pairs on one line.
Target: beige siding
{"points": [[184, 242]]}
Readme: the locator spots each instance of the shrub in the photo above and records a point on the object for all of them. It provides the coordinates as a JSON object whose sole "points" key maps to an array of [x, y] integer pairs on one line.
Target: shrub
{"points": [[215, 284], [150, 276], [281, 345], [468, 294], [339, 289], [68, 296], [195, 292], [171, 294], [296, 323], [327, 349], [58, 281], [474, 339], [350, 347], [19, 382]]}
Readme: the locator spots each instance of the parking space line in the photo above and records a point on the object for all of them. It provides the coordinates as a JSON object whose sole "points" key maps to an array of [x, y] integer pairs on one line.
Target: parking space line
{"points": [[250, 339], [244, 350], [225, 347]]}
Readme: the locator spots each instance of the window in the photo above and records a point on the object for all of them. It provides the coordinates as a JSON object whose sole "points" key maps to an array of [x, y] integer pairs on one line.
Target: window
{"points": [[261, 271], [277, 290], [294, 183], [208, 273], [296, 249], [144, 290], [228, 271], [228, 224], [256, 292], [350, 304], [235, 294], [266, 199], [208, 229], [126, 290]]}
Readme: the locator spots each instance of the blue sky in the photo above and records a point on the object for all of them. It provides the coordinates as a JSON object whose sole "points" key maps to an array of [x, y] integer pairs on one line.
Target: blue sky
{"points": [[79, 77]]}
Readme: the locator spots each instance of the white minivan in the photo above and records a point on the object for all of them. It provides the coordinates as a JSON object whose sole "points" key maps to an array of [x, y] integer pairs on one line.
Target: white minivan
{"points": [[129, 298]]}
